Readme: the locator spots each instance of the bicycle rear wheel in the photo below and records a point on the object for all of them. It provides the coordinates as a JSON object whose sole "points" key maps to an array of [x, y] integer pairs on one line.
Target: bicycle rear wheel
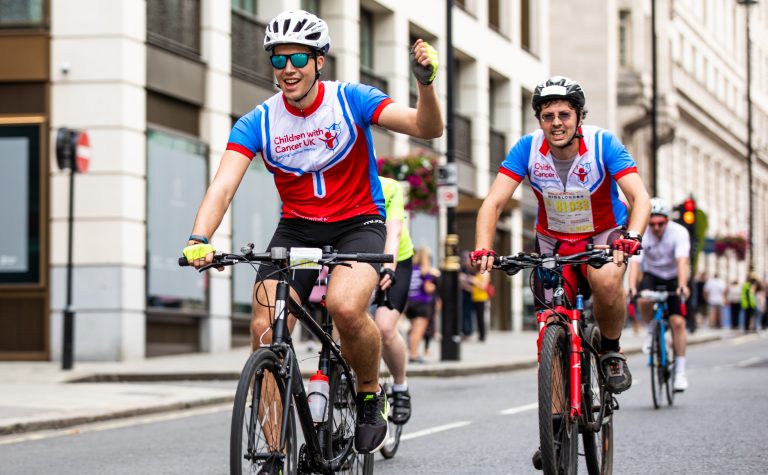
{"points": [[257, 419], [658, 379], [343, 414], [598, 446], [557, 432]]}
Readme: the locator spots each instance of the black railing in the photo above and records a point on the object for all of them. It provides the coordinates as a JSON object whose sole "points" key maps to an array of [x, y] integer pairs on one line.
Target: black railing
{"points": [[175, 26], [497, 149], [463, 138]]}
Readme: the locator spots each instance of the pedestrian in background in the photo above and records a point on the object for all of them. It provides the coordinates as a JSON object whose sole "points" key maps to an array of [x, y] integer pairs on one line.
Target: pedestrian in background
{"points": [[734, 302], [466, 273], [420, 301], [714, 293], [481, 285], [748, 300]]}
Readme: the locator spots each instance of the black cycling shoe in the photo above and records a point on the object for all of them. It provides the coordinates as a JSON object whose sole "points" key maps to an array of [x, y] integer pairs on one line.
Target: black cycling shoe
{"points": [[372, 429], [617, 376], [401, 407], [536, 459]]}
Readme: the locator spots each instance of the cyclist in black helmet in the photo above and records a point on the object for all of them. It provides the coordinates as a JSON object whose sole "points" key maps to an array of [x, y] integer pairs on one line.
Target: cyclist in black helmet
{"points": [[575, 171]]}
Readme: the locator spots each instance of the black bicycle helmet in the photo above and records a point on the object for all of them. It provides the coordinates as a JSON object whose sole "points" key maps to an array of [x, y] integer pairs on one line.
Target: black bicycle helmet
{"points": [[558, 87]]}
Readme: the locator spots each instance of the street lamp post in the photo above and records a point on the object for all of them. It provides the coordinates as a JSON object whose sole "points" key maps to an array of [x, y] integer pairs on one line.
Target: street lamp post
{"points": [[449, 345], [654, 110], [750, 218]]}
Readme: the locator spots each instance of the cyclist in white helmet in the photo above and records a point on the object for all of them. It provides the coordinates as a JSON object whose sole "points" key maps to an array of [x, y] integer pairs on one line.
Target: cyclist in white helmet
{"points": [[315, 138], [664, 263]]}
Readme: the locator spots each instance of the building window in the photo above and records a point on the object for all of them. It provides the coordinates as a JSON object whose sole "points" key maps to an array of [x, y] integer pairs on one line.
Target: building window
{"points": [[177, 177], [624, 38], [249, 59], [494, 15], [175, 25], [525, 25], [247, 7], [367, 74], [312, 6], [22, 13], [252, 223], [366, 40], [20, 185]]}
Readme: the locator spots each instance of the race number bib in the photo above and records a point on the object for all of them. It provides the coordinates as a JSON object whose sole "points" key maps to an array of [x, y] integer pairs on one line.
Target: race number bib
{"points": [[568, 211]]}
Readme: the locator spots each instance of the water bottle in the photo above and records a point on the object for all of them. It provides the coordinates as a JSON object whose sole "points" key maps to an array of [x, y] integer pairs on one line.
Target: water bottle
{"points": [[318, 396]]}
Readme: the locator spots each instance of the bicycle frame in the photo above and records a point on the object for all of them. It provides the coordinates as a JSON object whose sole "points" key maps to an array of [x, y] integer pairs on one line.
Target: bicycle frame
{"points": [[330, 353], [659, 309]]}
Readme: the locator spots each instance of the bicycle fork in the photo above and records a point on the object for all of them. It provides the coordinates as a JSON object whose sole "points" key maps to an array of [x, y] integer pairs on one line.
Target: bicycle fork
{"points": [[571, 324]]}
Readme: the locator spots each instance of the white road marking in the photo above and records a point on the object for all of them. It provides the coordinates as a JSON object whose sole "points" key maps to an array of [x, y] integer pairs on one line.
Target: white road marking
{"points": [[749, 361], [434, 430], [519, 409], [117, 424]]}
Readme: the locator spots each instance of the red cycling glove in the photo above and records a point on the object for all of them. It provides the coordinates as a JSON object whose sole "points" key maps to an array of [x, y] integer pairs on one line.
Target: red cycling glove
{"points": [[475, 256], [629, 246]]}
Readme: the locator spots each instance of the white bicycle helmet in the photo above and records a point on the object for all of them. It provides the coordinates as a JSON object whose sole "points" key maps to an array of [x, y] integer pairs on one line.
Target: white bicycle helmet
{"points": [[558, 87], [297, 27], [660, 207]]}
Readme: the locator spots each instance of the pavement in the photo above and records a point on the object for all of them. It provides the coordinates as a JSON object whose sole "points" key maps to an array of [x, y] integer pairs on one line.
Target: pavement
{"points": [[37, 396]]}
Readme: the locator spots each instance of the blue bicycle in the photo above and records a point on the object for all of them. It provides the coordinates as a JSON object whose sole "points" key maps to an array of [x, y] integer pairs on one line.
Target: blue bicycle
{"points": [[661, 358]]}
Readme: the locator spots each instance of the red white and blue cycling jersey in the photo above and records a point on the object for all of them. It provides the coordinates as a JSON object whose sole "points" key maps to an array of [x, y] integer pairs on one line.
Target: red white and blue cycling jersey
{"points": [[322, 158], [588, 203]]}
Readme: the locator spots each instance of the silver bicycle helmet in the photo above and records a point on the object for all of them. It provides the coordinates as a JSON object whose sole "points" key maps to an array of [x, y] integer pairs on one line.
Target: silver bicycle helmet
{"points": [[660, 207], [297, 27], [558, 87]]}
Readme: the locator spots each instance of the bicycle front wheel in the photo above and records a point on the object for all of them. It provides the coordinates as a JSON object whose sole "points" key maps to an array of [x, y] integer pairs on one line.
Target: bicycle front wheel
{"points": [[658, 378], [257, 419], [669, 374], [557, 432], [341, 426], [598, 446]]}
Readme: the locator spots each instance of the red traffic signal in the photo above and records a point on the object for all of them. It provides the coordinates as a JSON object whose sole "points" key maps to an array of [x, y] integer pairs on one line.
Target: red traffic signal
{"points": [[689, 211]]}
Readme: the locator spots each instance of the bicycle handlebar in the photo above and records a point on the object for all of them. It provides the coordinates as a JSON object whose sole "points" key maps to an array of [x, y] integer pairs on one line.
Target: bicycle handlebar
{"points": [[527, 260], [277, 254]]}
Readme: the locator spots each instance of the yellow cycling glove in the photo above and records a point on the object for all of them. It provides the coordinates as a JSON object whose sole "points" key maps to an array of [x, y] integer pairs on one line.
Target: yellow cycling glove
{"points": [[197, 251], [425, 74]]}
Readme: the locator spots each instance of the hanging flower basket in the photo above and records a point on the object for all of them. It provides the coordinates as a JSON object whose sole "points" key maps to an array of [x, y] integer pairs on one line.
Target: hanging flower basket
{"points": [[418, 170], [736, 243]]}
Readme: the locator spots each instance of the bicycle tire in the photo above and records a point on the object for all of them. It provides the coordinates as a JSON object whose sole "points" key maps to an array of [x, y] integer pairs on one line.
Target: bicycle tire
{"points": [[670, 375], [657, 367], [249, 434], [341, 425], [598, 446], [558, 435]]}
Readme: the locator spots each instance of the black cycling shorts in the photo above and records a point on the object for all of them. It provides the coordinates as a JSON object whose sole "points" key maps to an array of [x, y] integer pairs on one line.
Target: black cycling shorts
{"points": [[419, 309], [652, 282], [398, 293], [359, 234]]}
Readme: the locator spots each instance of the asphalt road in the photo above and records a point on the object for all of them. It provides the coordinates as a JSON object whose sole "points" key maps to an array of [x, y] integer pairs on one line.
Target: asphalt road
{"points": [[464, 425]]}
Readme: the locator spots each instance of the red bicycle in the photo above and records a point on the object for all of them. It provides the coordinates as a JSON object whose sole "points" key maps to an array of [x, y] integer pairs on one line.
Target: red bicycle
{"points": [[573, 397]]}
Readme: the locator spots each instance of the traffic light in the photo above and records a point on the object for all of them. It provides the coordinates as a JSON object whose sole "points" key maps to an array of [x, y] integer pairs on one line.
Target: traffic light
{"points": [[689, 212]]}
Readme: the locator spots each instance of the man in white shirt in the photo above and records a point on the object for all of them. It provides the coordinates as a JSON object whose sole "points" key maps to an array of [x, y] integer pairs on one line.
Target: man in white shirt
{"points": [[714, 292], [664, 263]]}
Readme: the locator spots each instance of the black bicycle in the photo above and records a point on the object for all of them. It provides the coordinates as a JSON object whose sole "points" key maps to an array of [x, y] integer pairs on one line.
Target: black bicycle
{"points": [[573, 397], [271, 394]]}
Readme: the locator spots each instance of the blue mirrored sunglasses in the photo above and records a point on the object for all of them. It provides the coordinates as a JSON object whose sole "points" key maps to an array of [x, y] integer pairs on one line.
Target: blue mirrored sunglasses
{"points": [[298, 60]]}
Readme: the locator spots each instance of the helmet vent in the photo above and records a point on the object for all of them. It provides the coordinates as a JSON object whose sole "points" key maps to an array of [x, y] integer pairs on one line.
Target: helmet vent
{"points": [[299, 25], [286, 24], [313, 36]]}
